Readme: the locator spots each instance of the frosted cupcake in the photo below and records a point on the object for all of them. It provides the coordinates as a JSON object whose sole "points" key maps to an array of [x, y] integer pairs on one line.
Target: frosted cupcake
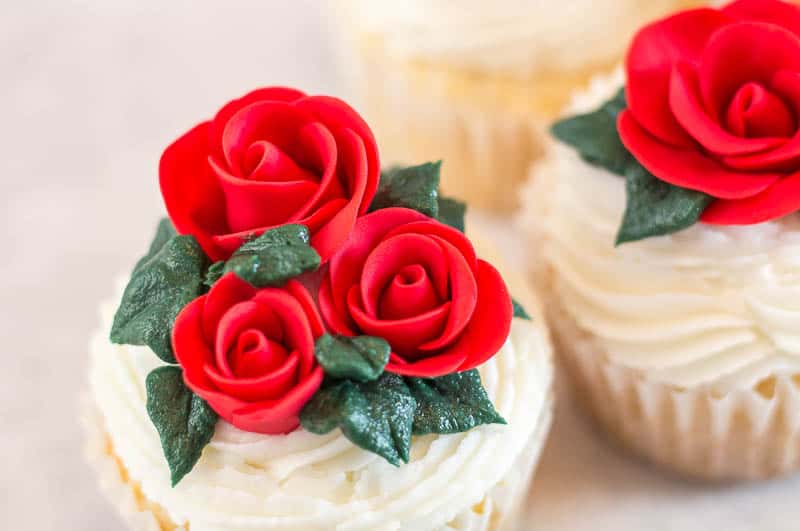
{"points": [[474, 83], [673, 241], [309, 344]]}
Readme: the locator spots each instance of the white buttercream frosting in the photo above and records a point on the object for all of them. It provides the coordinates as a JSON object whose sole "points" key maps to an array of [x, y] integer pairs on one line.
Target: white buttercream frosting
{"points": [[515, 36], [716, 306], [305, 481]]}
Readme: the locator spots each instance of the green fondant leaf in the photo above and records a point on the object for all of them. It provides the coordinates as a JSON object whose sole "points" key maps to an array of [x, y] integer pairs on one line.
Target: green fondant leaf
{"points": [[164, 233], [595, 136], [214, 273], [415, 187], [519, 311], [360, 358], [451, 212], [656, 208], [451, 404], [274, 257], [184, 421], [377, 416], [162, 283]]}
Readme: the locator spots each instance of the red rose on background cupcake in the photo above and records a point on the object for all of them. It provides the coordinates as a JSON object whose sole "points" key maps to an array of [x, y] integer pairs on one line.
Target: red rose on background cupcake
{"points": [[249, 352], [417, 283], [714, 105], [272, 157]]}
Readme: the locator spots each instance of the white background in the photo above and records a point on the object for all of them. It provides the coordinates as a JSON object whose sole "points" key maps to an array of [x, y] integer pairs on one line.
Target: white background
{"points": [[90, 93]]}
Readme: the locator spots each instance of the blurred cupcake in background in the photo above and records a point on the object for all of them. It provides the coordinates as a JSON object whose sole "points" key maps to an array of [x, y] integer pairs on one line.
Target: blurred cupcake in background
{"points": [[474, 83]]}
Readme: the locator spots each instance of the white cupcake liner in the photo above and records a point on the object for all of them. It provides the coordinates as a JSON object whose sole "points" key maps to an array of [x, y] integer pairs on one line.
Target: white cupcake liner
{"points": [[487, 129], [746, 434], [501, 510]]}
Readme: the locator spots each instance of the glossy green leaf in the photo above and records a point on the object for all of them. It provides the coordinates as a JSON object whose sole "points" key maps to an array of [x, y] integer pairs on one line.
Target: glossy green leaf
{"points": [[274, 257], [451, 404], [415, 187], [594, 136], [656, 208], [377, 416], [184, 421], [162, 283], [452, 212], [360, 358]]}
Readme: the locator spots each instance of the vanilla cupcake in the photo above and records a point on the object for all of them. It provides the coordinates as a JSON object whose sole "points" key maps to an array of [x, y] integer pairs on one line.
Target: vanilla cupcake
{"points": [[296, 361], [474, 83], [672, 243]]}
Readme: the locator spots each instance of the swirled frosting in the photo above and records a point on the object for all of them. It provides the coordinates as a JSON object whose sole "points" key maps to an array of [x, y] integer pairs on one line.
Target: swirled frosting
{"points": [[709, 305], [305, 481], [511, 36]]}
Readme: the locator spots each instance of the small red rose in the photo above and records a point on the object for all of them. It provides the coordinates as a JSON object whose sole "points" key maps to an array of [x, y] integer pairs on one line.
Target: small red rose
{"points": [[272, 157], [418, 284], [714, 106], [250, 352]]}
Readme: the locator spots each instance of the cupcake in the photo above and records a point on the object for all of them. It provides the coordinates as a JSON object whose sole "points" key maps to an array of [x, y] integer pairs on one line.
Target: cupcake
{"points": [[474, 83], [672, 242], [311, 344]]}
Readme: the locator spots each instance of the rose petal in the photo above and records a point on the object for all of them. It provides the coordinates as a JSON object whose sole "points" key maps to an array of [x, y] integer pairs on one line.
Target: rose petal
{"points": [[238, 318], [481, 340], [297, 333], [404, 335], [254, 204], [279, 416], [783, 14], [189, 344], [195, 202], [741, 53], [778, 200], [345, 266], [684, 99], [226, 292], [262, 94], [270, 386], [653, 54], [254, 354], [395, 253], [444, 232], [409, 293], [688, 168]]}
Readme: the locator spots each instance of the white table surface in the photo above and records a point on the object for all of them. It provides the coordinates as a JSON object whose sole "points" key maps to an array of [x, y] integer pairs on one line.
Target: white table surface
{"points": [[90, 93]]}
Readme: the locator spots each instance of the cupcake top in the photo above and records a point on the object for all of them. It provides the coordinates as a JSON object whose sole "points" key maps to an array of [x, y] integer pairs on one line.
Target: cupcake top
{"points": [[672, 225], [515, 37], [300, 480], [298, 318]]}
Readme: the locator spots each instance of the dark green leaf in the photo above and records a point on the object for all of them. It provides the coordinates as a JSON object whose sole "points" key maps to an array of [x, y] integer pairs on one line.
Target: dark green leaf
{"points": [[162, 283], [360, 358], [451, 404], [184, 421], [376, 416], [451, 212], [214, 273], [415, 187], [656, 208], [595, 136], [164, 233], [274, 257], [519, 311]]}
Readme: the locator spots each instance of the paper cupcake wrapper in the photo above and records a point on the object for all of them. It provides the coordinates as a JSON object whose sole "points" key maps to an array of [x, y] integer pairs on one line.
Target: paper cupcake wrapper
{"points": [[501, 509], [747, 434], [487, 129]]}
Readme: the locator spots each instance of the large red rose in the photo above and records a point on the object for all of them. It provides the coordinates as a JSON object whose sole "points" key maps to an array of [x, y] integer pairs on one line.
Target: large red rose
{"points": [[418, 284], [272, 157], [714, 104], [250, 352]]}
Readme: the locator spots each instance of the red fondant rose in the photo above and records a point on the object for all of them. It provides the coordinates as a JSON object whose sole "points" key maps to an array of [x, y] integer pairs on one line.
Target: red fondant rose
{"points": [[418, 284], [250, 352], [714, 103], [273, 157]]}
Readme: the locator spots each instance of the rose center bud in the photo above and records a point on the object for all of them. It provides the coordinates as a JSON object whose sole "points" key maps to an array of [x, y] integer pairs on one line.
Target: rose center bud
{"points": [[264, 161], [254, 355], [755, 112], [409, 293]]}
